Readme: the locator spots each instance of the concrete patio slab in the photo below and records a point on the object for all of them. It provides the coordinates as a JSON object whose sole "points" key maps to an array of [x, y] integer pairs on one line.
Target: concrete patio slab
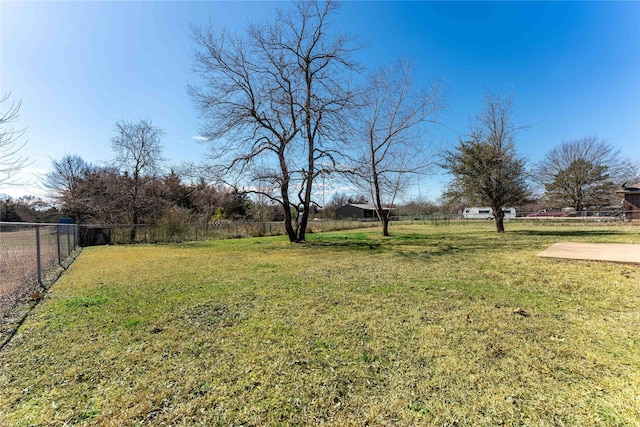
{"points": [[615, 252]]}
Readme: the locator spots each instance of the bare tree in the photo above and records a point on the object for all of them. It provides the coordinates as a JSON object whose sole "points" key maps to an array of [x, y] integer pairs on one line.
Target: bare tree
{"points": [[485, 167], [273, 105], [582, 173], [65, 182], [238, 106], [103, 197], [138, 150], [11, 161], [632, 174], [394, 146]]}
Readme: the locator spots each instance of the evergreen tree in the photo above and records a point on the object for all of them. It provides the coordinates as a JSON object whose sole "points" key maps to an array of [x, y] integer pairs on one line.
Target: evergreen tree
{"points": [[486, 168]]}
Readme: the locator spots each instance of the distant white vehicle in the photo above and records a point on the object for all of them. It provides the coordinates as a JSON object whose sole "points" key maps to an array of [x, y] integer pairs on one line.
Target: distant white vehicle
{"points": [[487, 213]]}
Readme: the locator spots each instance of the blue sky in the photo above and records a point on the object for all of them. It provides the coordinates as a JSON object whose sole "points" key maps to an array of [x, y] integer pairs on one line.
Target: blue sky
{"points": [[78, 67]]}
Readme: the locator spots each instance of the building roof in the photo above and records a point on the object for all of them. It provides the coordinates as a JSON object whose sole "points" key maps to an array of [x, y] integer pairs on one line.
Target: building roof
{"points": [[628, 189], [366, 207]]}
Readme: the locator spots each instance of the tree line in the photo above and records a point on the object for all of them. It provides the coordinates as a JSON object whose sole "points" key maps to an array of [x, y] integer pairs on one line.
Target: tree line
{"points": [[122, 195]]}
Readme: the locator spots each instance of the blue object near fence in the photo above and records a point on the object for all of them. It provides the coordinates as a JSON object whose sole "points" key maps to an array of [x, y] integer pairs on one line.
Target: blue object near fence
{"points": [[66, 229]]}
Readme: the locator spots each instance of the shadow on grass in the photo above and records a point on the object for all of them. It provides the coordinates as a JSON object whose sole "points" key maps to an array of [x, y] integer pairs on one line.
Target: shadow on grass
{"points": [[347, 245], [445, 243], [433, 252], [567, 233], [413, 236], [412, 245]]}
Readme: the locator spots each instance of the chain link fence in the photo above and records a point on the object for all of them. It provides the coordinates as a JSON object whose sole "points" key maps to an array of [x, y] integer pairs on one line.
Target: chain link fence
{"points": [[591, 217], [163, 233], [32, 256]]}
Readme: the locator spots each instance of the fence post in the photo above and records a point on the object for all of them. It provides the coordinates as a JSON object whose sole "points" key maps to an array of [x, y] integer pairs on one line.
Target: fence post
{"points": [[39, 267], [58, 243], [68, 229]]}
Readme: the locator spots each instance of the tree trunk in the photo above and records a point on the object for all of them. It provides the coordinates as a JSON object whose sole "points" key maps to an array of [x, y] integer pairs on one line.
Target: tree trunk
{"points": [[288, 219], [306, 203], [288, 224], [132, 233], [284, 193], [304, 220], [382, 215], [385, 225], [302, 230], [499, 215], [135, 215], [134, 219]]}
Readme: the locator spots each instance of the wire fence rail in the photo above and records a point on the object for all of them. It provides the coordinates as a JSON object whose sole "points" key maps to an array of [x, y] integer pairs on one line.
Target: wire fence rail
{"points": [[96, 234], [32, 256], [579, 218], [28, 252]]}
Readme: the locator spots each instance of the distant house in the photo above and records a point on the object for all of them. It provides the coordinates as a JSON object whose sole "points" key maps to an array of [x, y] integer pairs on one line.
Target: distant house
{"points": [[358, 212], [631, 203]]}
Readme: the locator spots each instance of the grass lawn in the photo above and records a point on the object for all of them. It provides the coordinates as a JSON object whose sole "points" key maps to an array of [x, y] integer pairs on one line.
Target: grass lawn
{"points": [[437, 325]]}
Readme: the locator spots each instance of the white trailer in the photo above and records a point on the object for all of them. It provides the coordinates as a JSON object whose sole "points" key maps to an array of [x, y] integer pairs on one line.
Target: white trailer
{"points": [[487, 213], [509, 213]]}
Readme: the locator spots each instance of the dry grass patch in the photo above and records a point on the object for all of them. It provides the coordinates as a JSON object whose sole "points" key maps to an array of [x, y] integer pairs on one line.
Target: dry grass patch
{"points": [[434, 326]]}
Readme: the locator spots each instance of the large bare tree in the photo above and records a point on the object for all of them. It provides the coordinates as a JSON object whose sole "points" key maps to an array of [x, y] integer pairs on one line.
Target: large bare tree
{"points": [[273, 103], [582, 173], [65, 181], [485, 166], [395, 149], [138, 154], [11, 160]]}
